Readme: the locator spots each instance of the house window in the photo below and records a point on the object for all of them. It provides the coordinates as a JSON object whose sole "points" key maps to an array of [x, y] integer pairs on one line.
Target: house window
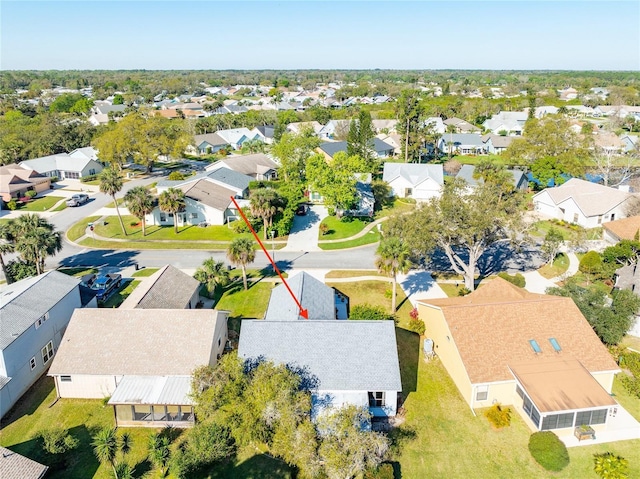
{"points": [[376, 399], [65, 379], [586, 418], [163, 218], [600, 219], [32, 363], [408, 192], [47, 352], [219, 341], [482, 393], [194, 215], [575, 217], [557, 421]]}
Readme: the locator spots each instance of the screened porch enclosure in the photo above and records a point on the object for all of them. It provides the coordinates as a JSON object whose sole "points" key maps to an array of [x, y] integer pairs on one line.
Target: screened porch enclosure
{"points": [[153, 414]]}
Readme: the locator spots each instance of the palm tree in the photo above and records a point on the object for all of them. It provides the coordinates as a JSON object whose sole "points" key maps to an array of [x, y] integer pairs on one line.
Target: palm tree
{"points": [[35, 239], [110, 184], [159, 451], [172, 201], [140, 203], [241, 253], [106, 446], [392, 257], [212, 274], [7, 245], [265, 203]]}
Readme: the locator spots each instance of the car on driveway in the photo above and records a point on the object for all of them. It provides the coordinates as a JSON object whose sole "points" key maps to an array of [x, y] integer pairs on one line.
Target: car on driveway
{"points": [[302, 210], [78, 199]]}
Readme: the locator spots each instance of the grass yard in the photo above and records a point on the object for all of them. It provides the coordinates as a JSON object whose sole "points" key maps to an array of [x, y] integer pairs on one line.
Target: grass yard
{"points": [[559, 266], [399, 205], [77, 230], [339, 229], [376, 293], [43, 203], [244, 304], [474, 160], [451, 289], [101, 244], [111, 229], [371, 237], [144, 272], [337, 273], [60, 207], [568, 231], [632, 342], [78, 272], [118, 297]]}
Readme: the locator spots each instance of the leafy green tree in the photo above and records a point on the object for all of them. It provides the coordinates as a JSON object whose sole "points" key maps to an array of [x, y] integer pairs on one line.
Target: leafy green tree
{"points": [[495, 173], [204, 444], [265, 204], [609, 466], [118, 99], [392, 258], [140, 204], [81, 106], [111, 184], [56, 440], [172, 201], [460, 221], [411, 116], [591, 263], [213, 274], [292, 151], [241, 253], [360, 137], [624, 253], [552, 242], [336, 185], [63, 103], [546, 169]]}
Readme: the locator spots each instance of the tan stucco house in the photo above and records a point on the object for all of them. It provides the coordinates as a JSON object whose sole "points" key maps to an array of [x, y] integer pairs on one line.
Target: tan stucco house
{"points": [[503, 344]]}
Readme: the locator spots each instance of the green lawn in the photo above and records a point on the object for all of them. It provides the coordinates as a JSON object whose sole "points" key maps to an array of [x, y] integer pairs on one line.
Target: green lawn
{"points": [[101, 244], [339, 229], [337, 273], [474, 160], [451, 289], [568, 231], [60, 207], [144, 272], [78, 272], [246, 304], [41, 204], [78, 229], [371, 237], [376, 293], [559, 266], [118, 297], [399, 205]]}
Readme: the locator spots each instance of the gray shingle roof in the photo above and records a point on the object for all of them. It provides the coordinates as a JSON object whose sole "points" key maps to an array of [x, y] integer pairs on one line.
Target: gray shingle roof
{"points": [[414, 173], [231, 178], [315, 296], [167, 288], [16, 466], [145, 342], [343, 355], [464, 139], [23, 302], [211, 138], [249, 164], [333, 147], [210, 194]]}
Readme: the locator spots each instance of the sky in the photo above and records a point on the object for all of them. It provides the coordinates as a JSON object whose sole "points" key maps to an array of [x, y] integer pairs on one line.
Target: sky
{"points": [[212, 35]]}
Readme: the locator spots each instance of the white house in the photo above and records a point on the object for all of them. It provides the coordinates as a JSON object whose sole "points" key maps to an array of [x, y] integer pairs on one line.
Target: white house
{"points": [[496, 144], [582, 202], [334, 128], [258, 165], [519, 178], [462, 144], [100, 113], [349, 362], [237, 136], [141, 358], [34, 313], [413, 180], [510, 121], [78, 164]]}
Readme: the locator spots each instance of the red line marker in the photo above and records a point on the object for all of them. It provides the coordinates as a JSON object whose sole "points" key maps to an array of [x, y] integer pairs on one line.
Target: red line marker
{"points": [[303, 312]]}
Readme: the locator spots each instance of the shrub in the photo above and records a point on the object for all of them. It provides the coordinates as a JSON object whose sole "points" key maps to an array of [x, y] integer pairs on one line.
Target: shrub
{"points": [[499, 416], [19, 269], [591, 263], [54, 179], [284, 224], [384, 471], [56, 440], [516, 279], [324, 228], [414, 314], [175, 176], [12, 204], [548, 450], [608, 465], [31, 194], [417, 326], [86, 179], [368, 311], [463, 291]]}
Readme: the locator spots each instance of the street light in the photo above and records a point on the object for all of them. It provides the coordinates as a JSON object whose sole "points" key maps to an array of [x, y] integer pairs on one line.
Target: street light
{"points": [[273, 249]]}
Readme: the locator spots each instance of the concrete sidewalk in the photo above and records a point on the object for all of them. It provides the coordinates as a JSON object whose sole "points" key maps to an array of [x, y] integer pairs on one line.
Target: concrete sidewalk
{"points": [[418, 285]]}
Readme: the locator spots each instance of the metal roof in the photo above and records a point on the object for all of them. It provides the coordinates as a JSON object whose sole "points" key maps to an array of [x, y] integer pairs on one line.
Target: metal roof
{"points": [[341, 355], [170, 390]]}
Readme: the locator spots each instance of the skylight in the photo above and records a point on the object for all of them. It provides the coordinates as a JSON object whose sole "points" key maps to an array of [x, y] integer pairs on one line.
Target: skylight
{"points": [[535, 346], [555, 344]]}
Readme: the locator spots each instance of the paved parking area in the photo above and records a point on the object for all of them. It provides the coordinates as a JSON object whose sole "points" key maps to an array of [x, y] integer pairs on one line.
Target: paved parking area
{"points": [[304, 234]]}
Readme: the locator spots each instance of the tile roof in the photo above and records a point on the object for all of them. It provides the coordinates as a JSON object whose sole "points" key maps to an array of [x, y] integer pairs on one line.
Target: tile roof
{"points": [[560, 384], [23, 302], [169, 390], [343, 355], [315, 296], [492, 327], [16, 466], [591, 198], [625, 228], [167, 288], [143, 342], [414, 173]]}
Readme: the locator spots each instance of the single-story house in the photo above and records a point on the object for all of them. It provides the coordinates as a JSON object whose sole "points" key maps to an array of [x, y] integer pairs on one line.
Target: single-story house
{"points": [[503, 344], [16, 180], [237, 136], [618, 230], [511, 122], [582, 202], [377, 146], [461, 126], [100, 113], [167, 288], [258, 165], [142, 359], [630, 143], [414, 180], [435, 125], [299, 126], [334, 128], [462, 144], [384, 126], [350, 362], [392, 139], [17, 466], [34, 313], [72, 166], [496, 144], [208, 144], [519, 177], [322, 302]]}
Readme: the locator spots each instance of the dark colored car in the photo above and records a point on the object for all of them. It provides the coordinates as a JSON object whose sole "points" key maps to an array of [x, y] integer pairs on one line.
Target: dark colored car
{"points": [[78, 199], [302, 210]]}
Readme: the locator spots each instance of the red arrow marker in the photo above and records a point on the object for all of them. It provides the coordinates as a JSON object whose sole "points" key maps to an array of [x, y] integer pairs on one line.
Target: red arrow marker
{"points": [[303, 312]]}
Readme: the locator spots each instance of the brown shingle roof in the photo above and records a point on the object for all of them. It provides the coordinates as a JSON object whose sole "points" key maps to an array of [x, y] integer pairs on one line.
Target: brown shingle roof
{"points": [[167, 288], [146, 342], [209, 193], [492, 327], [625, 228]]}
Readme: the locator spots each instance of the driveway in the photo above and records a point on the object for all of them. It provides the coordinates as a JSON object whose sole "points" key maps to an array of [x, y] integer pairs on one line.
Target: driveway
{"points": [[419, 284], [304, 234]]}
